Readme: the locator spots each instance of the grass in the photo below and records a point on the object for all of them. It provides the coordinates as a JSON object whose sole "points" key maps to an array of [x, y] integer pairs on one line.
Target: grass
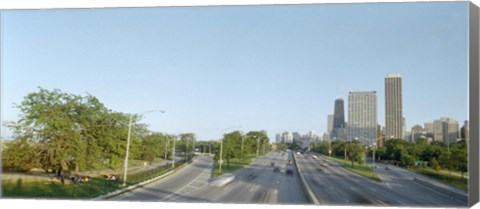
{"points": [[19, 188], [235, 164], [46, 189], [363, 169], [445, 178]]}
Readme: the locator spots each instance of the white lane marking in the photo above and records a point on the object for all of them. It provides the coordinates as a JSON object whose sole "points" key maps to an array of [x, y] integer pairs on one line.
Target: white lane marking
{"points": [[276, 191], [373, 189], [253, 188], [401, 202], [177, 192], [388, 185], [352, 188]]}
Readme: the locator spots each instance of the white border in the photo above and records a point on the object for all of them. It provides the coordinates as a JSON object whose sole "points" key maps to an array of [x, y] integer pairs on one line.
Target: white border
{"points": [[58, 4]]}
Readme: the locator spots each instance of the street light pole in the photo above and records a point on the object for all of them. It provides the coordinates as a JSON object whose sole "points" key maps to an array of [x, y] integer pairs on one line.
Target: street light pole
{"points": [[258, 144], [221, 160], [173, 152], [126, 155], [128, 143], [374, 146], [166, 148]]}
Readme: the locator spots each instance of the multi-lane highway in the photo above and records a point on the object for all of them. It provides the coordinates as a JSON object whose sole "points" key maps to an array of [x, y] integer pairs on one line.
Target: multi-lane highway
{"points": [[334, 185], [260, 183], [255, 183]]}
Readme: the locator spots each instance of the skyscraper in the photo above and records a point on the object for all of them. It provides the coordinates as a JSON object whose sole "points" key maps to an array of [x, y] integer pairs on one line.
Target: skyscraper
{"points": [[338, 131], [329, 123], [393, 106], [362, 116], [446, 130]]}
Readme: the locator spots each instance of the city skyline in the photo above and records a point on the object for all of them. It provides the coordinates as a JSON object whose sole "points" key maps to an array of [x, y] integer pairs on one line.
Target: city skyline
{"points": [[248, 70]]}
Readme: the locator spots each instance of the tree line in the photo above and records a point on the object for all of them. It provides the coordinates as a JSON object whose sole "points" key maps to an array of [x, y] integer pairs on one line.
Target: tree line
{"points": [[420, 153], [237, 145], [60, 131]]}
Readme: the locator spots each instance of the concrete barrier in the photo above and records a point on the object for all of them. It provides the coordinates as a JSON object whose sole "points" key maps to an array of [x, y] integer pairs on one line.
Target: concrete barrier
{"points": [[310, 195], [446, 191]]}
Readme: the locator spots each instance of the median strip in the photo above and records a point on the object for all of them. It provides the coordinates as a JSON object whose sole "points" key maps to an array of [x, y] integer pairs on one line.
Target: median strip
{"points": [[310, 195]]}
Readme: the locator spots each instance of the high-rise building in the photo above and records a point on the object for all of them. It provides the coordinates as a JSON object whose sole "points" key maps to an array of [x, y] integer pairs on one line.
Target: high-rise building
{"points": [[296, 137], [362, 116], [428, 127], [278, 138], [393, 106], [464, 131], [416, 132], [338, 131], [445, 130], [329, 123]]}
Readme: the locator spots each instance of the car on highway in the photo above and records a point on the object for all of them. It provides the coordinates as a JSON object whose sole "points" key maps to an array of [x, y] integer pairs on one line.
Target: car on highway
{"points": [[387, 167], [289, 162], [276, 169], [289, 172]]}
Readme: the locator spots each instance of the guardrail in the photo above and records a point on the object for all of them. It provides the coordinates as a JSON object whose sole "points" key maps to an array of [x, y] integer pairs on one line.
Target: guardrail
{"points": [[450, 193], [310, 195]]}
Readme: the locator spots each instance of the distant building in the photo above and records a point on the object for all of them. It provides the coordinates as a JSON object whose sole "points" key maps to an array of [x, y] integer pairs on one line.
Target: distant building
{"points": [[278, 138], [296, 137], [362, 116], [380, 136], [393, 106], [329, 123], [445, 130], [338, 131], [416, 132], [465, 131], [287, 137], [428, 127]]}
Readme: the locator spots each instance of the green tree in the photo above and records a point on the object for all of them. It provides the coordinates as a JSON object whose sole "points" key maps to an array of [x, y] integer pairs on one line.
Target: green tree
{"points": [[355, 152]]}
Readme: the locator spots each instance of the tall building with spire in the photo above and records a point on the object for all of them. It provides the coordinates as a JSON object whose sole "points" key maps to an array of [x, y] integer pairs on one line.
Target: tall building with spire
{"points": [[338, 131], [393, 107]]}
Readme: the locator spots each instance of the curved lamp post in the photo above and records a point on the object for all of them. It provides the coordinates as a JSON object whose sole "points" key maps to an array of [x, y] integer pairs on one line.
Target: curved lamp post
{"points": [[128, 141]]}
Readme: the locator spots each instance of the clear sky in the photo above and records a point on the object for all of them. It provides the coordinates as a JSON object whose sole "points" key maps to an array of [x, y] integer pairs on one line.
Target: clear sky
{"points": [[277, 68]]}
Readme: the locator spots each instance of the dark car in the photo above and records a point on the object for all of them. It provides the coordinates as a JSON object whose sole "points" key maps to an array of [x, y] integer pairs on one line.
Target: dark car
{"points": [[289, 172], [272, 164], [276, 169]]}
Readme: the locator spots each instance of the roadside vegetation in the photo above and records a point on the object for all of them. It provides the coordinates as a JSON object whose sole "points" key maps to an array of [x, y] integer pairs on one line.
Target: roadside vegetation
{"points": [[362, 169], [63, 135], [236, 156], [447, 163]]}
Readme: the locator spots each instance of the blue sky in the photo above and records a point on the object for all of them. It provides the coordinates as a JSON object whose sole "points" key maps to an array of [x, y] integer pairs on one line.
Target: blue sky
{"points": [[277, 68]]}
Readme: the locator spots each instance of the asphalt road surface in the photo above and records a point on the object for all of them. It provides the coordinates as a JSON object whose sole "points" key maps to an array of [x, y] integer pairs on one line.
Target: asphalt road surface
{"points": [[177, 185], [334, 185], [257, 183]]}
